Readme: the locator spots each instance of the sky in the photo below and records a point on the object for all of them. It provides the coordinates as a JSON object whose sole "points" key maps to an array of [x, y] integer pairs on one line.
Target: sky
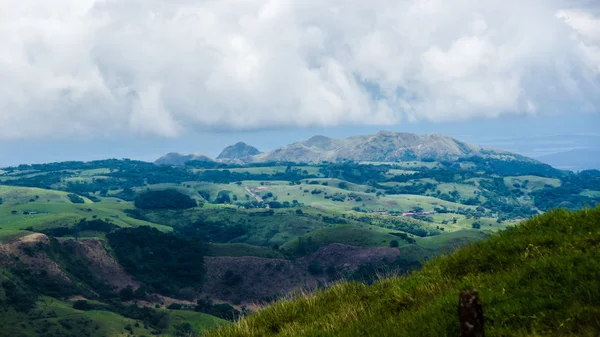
{"points": [[91, 79]]}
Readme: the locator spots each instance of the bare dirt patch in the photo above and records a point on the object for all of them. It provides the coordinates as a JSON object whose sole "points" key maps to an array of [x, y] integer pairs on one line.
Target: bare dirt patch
{"points": [[263, 279], [101, 264], [29, 251]]}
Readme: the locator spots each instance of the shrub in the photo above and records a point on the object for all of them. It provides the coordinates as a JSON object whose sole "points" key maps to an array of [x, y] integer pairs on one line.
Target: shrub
{"points": [[126, 294], [174, 306], [315, 268], [75, 198], [162, 261], [231, 279], [183, 329], [81, 305]]}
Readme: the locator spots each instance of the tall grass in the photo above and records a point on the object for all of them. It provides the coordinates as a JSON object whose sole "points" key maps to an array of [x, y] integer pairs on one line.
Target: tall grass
{"points": [[541, 278]]}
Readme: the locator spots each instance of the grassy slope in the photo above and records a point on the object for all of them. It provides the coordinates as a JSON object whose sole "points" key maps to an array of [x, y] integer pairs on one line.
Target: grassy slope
{"points": [[46, 318], [54, 209], [350, 235], [540, 278], [279, 228], [50, 312], [199, 321], [21, 195]]}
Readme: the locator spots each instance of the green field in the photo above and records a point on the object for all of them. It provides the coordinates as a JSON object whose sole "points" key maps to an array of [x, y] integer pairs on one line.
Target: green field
{"points": [[58, 318], [367, 236], [533, 182], [13, 221], [23, 195]]}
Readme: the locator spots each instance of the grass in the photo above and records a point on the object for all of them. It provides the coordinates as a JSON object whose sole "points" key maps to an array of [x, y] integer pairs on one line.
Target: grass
{"points": [[51, 214], [303, 194], [200, 322], [311, 170], [262, 230], [534, 182], [57, 318], [368, 236], [536, 279], [23, 195], [52, 317]]}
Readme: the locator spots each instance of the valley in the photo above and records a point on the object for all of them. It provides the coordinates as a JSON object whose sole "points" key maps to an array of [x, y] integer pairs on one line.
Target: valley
{"points": [[184, 245]]}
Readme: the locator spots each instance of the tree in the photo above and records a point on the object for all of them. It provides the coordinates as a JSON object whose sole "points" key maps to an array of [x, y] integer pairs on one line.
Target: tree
{"points": [[126, 294], [315, 268], [164, 199], [81, 305], [476, 225], [231, 279], [223, 197], [162, 261], [184, 329], [75, 198], [205, 195], [394, 244]]}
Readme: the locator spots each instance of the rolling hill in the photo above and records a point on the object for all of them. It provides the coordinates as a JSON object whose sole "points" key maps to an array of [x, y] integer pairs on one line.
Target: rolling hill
{"points": [[537, 279]]}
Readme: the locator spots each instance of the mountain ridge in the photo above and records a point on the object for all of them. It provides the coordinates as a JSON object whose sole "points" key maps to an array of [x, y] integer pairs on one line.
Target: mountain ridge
{"points": [[383, 146]]}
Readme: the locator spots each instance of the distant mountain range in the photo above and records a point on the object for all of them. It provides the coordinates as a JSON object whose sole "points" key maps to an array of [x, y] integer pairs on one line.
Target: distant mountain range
{"points": [[174, 158], [380, 147], [574, 160]]}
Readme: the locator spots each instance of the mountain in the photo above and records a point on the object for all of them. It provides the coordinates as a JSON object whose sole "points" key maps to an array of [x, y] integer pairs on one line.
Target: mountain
{"points": [[174, 158], [575, 160], [239, 150], [383, 147]]}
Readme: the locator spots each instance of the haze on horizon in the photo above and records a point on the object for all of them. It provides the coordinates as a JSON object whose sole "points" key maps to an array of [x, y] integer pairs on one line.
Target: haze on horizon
{"points": [[94, 79]]}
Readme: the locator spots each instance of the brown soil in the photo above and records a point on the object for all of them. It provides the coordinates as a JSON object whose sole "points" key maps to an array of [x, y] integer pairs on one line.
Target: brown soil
{"points": [[264, 279], [102, 265], [24, 250]]}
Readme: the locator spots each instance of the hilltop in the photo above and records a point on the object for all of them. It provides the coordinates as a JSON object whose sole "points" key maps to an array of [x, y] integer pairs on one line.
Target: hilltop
{"points": [[540, 278], [383, 146], [239, 150], [380, 147], [175, 158]]}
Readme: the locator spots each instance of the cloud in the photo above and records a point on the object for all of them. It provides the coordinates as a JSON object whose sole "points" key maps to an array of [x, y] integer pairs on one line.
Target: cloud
{"points": [[90, 67]]}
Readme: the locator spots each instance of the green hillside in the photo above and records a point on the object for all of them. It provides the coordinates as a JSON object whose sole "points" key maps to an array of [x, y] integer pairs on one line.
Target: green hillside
{"points": [[51, 317], [536, 279]]}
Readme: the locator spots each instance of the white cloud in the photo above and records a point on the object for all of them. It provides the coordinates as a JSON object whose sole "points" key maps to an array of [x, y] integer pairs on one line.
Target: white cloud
{"points": [[85, 67]]}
